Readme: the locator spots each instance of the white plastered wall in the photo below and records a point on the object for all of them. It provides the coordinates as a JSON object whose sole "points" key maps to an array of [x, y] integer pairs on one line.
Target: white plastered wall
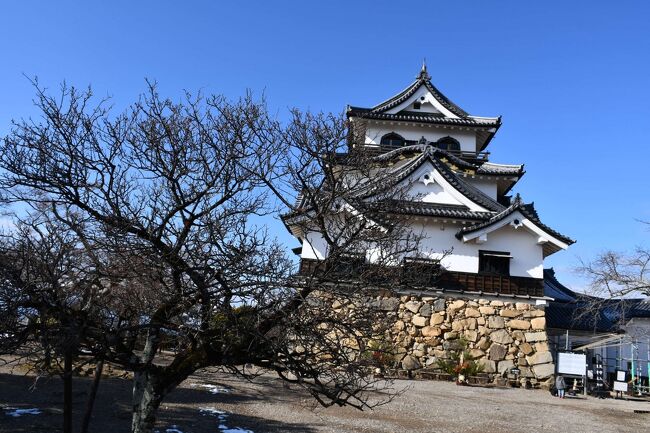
{"points": [[486, 186], [527, 256], [374, 132]]}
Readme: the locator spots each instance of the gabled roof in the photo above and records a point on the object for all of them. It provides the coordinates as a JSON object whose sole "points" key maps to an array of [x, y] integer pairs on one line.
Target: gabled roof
{"points": [[368, 113], [483, 168], [423, 79], [528, 212], [458, 116], [434, 155]]}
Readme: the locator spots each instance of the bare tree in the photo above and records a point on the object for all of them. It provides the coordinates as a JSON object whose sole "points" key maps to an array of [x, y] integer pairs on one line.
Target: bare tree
{"points": [[46, 290], [164, 202], [617, 282]]}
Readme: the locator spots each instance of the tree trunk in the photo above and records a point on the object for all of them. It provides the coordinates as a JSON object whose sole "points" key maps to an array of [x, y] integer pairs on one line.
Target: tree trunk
{"points": [[146, 399], [67, 391], [91, 397]]}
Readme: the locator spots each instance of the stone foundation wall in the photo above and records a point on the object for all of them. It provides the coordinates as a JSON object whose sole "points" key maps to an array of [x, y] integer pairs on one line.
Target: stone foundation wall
{"points": [[499, 334]]}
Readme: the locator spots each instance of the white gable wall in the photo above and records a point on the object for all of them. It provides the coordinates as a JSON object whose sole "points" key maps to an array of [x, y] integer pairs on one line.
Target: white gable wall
{"points": [[429, 100], [436, 189]]}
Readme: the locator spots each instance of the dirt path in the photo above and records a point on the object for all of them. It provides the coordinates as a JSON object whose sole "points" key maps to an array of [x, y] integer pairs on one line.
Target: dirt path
{"points": [[212, 402]]}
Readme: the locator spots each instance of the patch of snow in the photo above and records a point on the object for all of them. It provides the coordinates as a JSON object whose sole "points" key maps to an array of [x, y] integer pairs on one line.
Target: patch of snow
{"points": [[214, 389], [212, 411], [172, 429], [222, 417], [20, 412]]}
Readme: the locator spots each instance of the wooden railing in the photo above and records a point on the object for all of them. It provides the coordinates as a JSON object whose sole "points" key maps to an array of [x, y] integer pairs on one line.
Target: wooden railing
{"points": [[432, 278], [466, 155]]}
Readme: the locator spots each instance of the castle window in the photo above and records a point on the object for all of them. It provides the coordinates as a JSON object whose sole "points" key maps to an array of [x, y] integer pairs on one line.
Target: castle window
{"points": [[448, 143], [392, 139], [416, 105], [348, 264], [420, 271], [494, 263]]}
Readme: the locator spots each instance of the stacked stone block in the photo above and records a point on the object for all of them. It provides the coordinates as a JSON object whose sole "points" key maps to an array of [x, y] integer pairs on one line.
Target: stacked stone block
{"points": [[499, 334]]}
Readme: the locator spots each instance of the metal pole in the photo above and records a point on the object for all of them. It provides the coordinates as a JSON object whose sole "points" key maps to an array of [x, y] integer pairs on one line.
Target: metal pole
{"points": [[566, 340], [633, 349], [647, 361]]}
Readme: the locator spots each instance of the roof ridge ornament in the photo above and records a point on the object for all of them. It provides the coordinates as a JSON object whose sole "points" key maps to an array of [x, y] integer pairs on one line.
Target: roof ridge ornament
{"points": [[424, 75]]}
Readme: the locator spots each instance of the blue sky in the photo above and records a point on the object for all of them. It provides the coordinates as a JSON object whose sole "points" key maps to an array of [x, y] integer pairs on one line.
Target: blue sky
{"points": [[571, 79]]}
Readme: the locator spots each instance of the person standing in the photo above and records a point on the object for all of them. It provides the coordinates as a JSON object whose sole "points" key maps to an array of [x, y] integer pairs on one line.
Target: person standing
{"points": [[560, 385]]}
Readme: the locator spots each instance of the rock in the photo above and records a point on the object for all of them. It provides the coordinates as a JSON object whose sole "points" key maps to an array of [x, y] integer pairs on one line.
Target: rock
{"points": [[488, 366], [399, 326], [501, 336], [471, 336], [454, 345], [496, 303], [450, 335], [476, 353], [419, 321], [413, 306], [541, 347], [519, 324], [534, 313], [425, 310], [441, 354], [538, 323], [539, 358], [480, 320], [509, 313], [544, 370], [389, 304], [522, 306], [518, 335], [437, 319], [457, 325], [410, 363], [455, 306], [470, 323], [430, 331], [532, 337], [439, 305], [505, 366], [525, 372], [487, 311], [521, 361], [471, 312], [432, 342], [497, 352], [483, 343], [526, 348], [495, 322]]}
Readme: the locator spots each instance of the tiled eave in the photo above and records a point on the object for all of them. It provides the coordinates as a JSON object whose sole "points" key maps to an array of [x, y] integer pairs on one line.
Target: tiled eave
{"points": [[366, 113]]}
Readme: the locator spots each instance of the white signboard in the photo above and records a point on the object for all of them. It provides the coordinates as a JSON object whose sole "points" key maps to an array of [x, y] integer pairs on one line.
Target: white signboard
{"points": [[572, 363], [620, 386], [620, 375]]}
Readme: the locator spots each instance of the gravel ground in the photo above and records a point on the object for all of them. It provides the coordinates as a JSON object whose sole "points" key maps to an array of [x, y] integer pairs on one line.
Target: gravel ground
{"points": [[212, 402]]}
